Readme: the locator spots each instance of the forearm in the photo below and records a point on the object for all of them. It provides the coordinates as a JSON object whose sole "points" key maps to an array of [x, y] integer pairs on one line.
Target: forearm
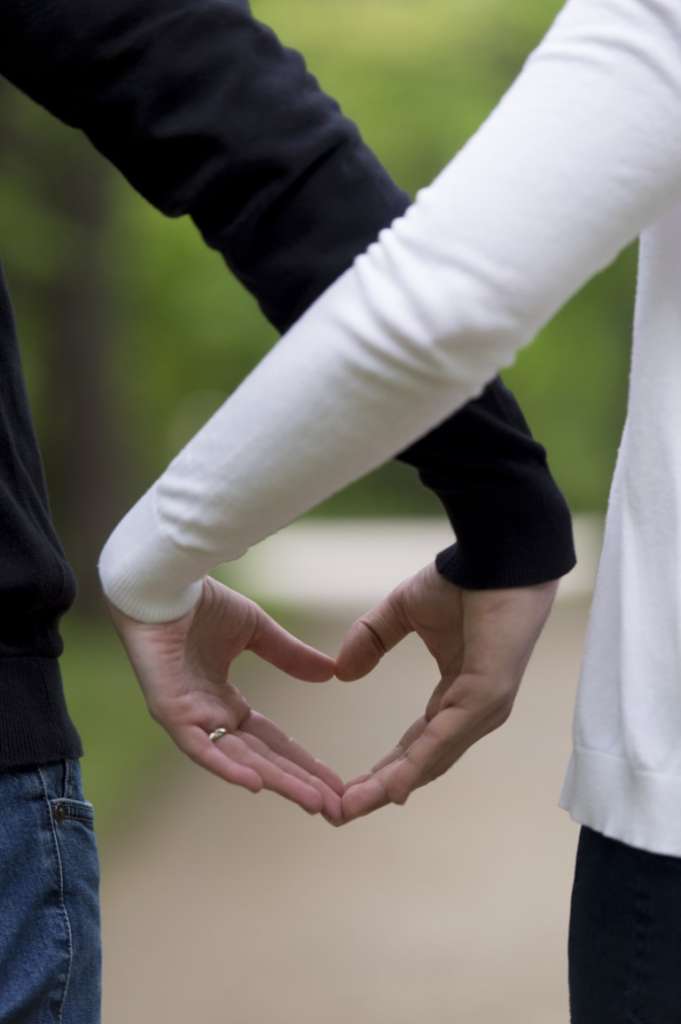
{"points": [[581, 153]]}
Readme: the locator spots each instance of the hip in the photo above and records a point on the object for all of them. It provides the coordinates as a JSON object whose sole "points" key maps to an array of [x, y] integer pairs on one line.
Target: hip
{"points": [[50, 944]]}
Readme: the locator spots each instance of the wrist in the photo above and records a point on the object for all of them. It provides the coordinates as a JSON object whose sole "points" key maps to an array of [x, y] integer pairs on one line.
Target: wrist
{"points": [[524, 541]]}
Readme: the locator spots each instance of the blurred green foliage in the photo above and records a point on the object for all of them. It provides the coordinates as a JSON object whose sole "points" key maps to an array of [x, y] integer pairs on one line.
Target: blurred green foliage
{"points": [[418, 79]]}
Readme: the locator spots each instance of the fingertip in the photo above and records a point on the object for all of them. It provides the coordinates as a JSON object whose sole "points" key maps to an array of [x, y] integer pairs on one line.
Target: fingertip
{"points": [[255, 783], [355, 664], [353, 805], [351, 813], [358, 654], [328, 777], [289, 653], [329, 666], [331, 800], [356, 668], [345, 676], [336, 784], [333, 810], [336, 822], [319, 671], [252, 785]]}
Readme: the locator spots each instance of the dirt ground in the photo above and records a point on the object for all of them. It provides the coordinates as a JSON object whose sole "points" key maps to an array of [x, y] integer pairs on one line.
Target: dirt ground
{"points": [[222, 906]]}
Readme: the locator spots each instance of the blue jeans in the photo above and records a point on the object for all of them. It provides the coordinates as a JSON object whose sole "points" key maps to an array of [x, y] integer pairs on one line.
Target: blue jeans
{"points": [[624, 943], [50, 944]]}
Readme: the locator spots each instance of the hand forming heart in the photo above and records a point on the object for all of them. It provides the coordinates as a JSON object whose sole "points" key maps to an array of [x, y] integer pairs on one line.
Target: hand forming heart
{"points": [[183, 669], [481, 640]]}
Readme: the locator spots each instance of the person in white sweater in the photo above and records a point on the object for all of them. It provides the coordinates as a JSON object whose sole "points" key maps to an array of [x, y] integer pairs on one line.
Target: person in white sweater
{"points": [[581, 156]]}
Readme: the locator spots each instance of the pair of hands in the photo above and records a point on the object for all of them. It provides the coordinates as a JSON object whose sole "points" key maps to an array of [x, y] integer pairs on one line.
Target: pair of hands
{"points": [[481, 641]]}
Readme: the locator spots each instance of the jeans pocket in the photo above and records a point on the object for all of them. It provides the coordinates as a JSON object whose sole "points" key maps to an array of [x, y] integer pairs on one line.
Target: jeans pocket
{"points": [[64, 809], [64, 786]]}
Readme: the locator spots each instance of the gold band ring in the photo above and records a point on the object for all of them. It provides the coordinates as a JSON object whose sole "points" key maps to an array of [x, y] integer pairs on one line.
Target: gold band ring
{"points": [[217, 734]]}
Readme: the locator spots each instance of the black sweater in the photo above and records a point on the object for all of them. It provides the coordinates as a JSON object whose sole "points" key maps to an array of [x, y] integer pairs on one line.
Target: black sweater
{"points": [[206, 114]]}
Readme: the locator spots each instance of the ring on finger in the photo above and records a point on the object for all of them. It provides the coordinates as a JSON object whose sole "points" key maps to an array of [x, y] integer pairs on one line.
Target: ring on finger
{"points": [[217, 734]]}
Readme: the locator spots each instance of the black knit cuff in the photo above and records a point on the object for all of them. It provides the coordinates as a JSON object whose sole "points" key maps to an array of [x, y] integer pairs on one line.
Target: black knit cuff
{"points": [[512, 540]]}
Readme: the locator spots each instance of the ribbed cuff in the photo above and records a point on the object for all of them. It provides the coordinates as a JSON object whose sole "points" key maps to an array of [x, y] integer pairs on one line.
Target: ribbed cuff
{"points": [[143, 573], [518, 541]]}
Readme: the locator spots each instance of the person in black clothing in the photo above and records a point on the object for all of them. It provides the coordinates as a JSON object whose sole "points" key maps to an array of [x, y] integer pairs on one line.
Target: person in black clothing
{"points": [[206, 114]]}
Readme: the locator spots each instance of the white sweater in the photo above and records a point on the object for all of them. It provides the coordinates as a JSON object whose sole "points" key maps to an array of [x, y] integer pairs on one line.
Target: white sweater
{"points": [[581, 156]]}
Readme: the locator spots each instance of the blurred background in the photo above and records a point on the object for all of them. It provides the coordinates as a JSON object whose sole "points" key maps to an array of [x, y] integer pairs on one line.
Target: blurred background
{"points": [[456, 907]]}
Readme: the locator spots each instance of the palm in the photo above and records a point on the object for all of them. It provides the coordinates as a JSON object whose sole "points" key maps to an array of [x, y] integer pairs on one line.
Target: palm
{"points": [[183, 668], [481, 642]]}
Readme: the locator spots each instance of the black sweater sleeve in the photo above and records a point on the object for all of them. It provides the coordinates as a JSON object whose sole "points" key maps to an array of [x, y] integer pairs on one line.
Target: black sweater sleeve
{"points": [[207, 114]]}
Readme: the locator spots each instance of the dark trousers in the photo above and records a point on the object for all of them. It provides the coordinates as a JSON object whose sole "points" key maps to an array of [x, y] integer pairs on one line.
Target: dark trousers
{"points": [[624, 944]]}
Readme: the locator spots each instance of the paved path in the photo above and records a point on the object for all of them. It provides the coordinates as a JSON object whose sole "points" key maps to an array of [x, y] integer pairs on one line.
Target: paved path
{"points": [[220, 906], [364, 558]]}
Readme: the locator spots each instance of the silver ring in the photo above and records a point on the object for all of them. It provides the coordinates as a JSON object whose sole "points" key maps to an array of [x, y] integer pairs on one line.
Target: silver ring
{"points": [[217, 734]]}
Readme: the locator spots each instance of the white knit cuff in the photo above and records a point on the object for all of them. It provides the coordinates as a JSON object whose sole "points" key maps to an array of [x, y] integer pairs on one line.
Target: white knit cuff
{"points": [[142, 572]]}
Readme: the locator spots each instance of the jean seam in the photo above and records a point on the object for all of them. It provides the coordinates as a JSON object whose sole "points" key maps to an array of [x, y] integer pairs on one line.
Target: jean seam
{"points": [[62, 902], [67, 780]]}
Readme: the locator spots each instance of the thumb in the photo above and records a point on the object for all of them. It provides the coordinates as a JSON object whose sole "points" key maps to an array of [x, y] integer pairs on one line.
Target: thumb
{"points": [[281, 648], [370, 637]]}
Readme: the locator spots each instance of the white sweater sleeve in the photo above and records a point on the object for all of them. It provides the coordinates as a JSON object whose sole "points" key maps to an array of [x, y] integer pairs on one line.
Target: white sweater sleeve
{"points": [[580, 154]]}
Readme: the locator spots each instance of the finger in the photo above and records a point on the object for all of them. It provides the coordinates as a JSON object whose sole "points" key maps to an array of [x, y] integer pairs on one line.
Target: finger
{"points": [[364, 798], [392, 755], [370, 637], [433, 705], [333, 821], [357, 779], [281, 648], [273, 777], [276, 739], [331, 799], [193, 741], [371, 797], [468, 713], [414, 730], [436, 746], [445, 738]]}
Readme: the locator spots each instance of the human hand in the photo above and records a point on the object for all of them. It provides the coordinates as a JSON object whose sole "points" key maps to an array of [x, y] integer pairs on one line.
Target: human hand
{"points": [[481, 640], [183, 667]]}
